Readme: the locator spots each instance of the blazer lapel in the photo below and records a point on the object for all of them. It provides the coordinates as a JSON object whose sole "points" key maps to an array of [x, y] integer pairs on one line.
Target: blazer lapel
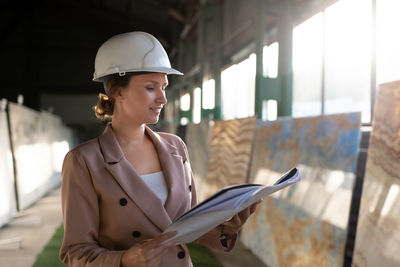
{"points": [[130, 181], [172, 166]]}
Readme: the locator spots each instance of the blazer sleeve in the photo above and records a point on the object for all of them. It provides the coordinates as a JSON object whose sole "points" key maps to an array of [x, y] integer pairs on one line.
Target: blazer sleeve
{"points": [[212, 238], [81, 217]]}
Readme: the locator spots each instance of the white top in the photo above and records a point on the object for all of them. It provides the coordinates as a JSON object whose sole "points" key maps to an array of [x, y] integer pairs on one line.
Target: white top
{"points": [[156, 182]]}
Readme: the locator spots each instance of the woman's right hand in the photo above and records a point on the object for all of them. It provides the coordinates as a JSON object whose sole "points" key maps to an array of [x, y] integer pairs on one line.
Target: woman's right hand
{"points": [[149, 253]]}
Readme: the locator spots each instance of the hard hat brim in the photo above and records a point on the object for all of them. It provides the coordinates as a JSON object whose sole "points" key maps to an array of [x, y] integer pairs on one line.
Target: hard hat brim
{"points": [[168, 71]]}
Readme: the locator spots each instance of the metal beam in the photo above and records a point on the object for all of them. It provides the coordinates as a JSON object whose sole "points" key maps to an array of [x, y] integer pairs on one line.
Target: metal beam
{"points": [[172, 12]]}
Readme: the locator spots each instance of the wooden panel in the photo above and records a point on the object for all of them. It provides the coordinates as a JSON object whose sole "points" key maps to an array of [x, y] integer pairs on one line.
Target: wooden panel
{"points": [[378, 231]]}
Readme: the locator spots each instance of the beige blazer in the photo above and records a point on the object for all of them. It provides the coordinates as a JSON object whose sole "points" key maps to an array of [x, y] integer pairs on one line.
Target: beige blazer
{"points": [[107, 207]]}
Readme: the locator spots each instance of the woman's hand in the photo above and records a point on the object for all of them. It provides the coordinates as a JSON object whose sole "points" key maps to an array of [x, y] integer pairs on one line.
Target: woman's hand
{"points": [[236, 222], [149, 253]]}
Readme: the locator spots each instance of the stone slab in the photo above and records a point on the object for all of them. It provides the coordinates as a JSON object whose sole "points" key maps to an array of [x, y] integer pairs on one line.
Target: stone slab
{"points": [[306, 224], [8, 207], [378, 230], [229, 154], [198, 143]]}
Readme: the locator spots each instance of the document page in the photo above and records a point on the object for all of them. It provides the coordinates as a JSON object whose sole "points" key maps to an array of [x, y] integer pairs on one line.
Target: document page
{"points": [[224, 204]]}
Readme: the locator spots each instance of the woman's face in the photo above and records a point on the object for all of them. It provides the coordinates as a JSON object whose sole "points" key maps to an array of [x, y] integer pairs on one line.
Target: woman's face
{"points": [[142, 100]]}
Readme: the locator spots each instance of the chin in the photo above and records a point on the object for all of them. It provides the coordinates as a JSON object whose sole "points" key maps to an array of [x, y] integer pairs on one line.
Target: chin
{"points": [[152, 121]]}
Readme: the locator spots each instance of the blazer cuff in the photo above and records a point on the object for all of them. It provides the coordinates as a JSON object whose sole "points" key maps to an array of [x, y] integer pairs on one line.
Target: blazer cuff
{"points": [[109, 258]]}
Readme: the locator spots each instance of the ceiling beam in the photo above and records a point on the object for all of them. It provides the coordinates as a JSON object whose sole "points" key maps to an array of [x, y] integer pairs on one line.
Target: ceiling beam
{"points": [[172, 12]]}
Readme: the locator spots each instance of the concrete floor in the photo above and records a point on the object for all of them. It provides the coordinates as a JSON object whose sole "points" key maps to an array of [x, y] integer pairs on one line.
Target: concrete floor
{"points": [[25, 236]]}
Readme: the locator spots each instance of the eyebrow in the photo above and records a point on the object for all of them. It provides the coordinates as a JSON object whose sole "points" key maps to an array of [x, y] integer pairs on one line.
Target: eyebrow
{"points": [[154, 81]]}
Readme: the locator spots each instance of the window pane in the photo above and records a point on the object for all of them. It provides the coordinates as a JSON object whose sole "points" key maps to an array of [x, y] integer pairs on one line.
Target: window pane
{"points": [[185, 102], [238, 89], [197, 105], [270, 60], [209, 94], [348, 57], [269, 110], [307, 67], [388, 41]]}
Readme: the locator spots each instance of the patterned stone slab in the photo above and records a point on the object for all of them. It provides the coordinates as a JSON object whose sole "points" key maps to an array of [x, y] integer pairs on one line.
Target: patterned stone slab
{"points": [[378, 230], [8, 207], [229, 155], [306, 224], [198, 143]]}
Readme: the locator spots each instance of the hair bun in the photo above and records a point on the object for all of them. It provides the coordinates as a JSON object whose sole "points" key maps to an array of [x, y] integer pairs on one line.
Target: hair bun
{"points": [[104, 108]]}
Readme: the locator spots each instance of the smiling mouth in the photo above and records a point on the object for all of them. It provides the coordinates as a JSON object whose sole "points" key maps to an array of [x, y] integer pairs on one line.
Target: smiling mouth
{"points": [[156, 110]]}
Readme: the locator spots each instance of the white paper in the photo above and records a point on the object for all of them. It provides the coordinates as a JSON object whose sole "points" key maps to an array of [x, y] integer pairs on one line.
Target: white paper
{"points": [[223, 205]]}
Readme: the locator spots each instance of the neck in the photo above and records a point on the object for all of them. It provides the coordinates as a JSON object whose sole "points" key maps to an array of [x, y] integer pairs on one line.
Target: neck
{"points": [[128, 134]]}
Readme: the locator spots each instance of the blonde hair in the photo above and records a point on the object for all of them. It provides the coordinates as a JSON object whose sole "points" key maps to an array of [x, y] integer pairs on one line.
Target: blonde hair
{"points": [[104, 108]]}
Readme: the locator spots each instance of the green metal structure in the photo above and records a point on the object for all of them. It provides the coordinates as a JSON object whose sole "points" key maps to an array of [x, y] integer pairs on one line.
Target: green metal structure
{"points": [[209, 64]]}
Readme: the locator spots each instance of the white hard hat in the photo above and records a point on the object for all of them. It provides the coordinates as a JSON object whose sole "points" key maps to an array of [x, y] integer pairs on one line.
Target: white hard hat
{"points": [[131, 52]]}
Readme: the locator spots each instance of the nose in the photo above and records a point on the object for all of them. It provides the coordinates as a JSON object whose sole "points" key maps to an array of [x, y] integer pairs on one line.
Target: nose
{"points": [[162, 98]]}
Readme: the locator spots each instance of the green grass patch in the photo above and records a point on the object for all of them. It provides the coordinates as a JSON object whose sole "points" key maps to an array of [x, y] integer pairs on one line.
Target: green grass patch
{"points": [[49, 255], [201, 256]]}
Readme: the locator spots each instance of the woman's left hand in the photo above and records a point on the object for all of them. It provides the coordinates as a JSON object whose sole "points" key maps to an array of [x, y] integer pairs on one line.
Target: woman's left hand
{"points": [[236, 222]]}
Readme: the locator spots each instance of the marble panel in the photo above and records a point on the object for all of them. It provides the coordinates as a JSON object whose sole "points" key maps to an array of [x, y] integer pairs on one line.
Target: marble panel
{"points": [[306, 224], [378, 229], [59, 138], [40, 142], [8, 207], [198, 143], [229, 154]]}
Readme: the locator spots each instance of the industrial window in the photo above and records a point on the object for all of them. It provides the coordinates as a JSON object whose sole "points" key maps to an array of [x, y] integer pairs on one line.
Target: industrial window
{"points": [[270, 60], [334, 57], [388, 41], [348, 57], [307, 67], [209, 94], [185, 102], [238, 89], [196, 105]]}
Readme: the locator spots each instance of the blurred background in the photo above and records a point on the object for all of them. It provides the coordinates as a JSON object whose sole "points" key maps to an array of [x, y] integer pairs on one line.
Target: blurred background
{"points": [[268, 85]]}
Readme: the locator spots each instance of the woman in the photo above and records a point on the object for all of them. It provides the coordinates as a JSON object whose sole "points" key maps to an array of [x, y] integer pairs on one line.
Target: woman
{"points": [[121, 190]]}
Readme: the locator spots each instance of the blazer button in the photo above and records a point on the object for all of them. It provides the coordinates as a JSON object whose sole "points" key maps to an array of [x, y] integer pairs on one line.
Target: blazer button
{"points": [[190, 188], [123, 201], [136, 234], [181, 254]]}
